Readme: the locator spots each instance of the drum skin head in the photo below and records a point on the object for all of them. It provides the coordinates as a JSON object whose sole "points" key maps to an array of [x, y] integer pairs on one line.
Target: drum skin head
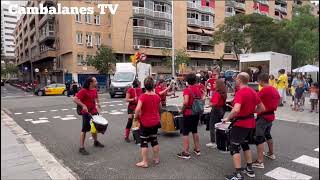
{"points": [[222, 126], [99, 120]]}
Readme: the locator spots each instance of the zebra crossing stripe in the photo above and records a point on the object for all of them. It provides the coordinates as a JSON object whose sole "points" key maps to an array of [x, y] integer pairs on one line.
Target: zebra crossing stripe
{"points": [[56, 117], [68, 118], [284, 174], [27, 120], [69, 115], [40, 121], [43, 118], [316, 149], [30, 112], [307, 160], [116, 113], [17, 113]]}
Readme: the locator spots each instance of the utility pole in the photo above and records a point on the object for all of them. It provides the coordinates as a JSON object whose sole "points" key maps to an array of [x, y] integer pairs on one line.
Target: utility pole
{"points": [[124, 42], [172, 38]]}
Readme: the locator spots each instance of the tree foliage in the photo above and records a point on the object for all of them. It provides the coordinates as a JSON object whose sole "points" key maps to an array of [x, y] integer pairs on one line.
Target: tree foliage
{"points": [[298, 37], [103, 60], [181, 57]]}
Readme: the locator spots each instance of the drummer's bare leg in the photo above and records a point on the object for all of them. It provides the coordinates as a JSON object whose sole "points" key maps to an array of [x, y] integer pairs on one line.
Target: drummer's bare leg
{"points": [[82, 138], [237, 161], [196, 141], [144, 154], [186, 144], [156, 150]]}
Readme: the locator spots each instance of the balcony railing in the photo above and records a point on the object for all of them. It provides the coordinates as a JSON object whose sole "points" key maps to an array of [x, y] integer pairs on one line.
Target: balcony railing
{"points": [[155, 32], [229, 14], [45, 18], [198, 38], [149, 12], [199, 23], [47, 35], [199, 7], [259, 12], [263, 2], [278, 18], [282, 9], [239, 5]]}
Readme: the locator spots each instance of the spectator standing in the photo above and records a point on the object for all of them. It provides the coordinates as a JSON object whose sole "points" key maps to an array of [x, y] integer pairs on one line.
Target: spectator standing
{"points": [[314, 97]]}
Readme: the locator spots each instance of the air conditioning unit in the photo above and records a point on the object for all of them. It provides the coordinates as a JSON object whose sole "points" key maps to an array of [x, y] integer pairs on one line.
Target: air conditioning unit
{"points": [[136, 47]]}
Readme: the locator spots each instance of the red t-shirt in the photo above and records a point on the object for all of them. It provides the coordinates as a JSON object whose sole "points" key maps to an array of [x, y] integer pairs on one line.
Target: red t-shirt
{"points": [[88, 97], [187, 92], [212, 83], [150, 115], [270, 98], [202, 89], [134, 92], [248, 99], [217, 100], [163, 96]]}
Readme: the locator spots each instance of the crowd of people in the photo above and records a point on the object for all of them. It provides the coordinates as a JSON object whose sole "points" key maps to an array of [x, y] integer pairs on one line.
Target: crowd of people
{"points": [[145, 106]]}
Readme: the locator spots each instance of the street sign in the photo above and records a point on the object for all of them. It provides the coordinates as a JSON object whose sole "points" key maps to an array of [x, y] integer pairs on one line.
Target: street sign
{"points": [[143, 57], [36, 70]]}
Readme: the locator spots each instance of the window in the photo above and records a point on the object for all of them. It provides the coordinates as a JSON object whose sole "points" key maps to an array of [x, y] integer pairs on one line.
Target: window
{"points": [[97, 19], [89, 40], [87, 18], [98, 39], [51, 26], [193, 15], [80, 59], [204, 18], [79, 37], [229, 9], [78, 18], [9, 34], [138, 3], [228, 49], [160, 6], [8, 16], [208, 3]]}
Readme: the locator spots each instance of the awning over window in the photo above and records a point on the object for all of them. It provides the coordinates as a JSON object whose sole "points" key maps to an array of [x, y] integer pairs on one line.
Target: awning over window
{"points": [[195, 30], [208, 32]]}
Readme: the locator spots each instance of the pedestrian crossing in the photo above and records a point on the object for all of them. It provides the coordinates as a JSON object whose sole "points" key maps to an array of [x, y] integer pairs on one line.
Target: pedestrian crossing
{"points": [[281, 173], [118, 109]]}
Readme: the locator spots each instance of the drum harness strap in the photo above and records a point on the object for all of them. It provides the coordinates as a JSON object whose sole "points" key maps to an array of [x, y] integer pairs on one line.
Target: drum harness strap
{"points": [[240, 118], [266, 113]]}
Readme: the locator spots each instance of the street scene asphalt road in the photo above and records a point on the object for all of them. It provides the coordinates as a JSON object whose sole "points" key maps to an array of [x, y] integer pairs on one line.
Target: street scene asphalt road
{"points": [[53, 121]]}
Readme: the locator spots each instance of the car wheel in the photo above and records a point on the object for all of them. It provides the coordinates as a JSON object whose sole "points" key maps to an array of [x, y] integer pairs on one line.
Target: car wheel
{"points": [[40, 93], [65, 93]]}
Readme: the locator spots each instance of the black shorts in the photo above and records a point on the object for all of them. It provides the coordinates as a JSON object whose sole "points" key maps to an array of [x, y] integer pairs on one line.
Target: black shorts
{"points": [[146, 132], [189, 124], [86, 123], [263, 127], [130, 111], [240, 135]]}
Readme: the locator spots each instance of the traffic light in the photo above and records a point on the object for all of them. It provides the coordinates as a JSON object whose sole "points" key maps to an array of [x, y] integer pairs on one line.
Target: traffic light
{"points": [[133, 59]]}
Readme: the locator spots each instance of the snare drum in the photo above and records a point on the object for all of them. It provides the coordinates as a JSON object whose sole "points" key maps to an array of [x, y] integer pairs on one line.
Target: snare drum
{"points": [[99, 123], [222, 136]]}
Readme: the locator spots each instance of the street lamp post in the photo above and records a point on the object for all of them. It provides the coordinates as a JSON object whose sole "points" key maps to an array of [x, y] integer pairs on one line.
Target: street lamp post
{"points": [[124, 41], [172, 38]]}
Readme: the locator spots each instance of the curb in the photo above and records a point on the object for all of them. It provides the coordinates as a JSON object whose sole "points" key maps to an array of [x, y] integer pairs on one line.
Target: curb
{"points": [[47, 161]]}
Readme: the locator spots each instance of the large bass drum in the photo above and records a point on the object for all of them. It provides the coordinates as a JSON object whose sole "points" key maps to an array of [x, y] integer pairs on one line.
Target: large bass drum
{"points": [[100, 124]]}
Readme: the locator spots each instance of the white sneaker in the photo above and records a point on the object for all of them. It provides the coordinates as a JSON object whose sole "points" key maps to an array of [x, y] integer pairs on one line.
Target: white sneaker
{"points": [[211, 145], [272, 156]]}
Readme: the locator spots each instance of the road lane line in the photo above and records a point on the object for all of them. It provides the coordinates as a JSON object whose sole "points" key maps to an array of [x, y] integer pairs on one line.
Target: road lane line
{"points": [[104, 112], [53, 110], [64, 109], [316, 149], [54, 168], [307, 160], [56, 117], [71, 115], [116, 101], [74, 108], [116, 113], [27, 120], [111, 105], [42, 118], [39, 121], [30, 112], [17, 113], [284, 174], [103, 106], [68, 118], [42, 111], [120, 104], [123, 110]]}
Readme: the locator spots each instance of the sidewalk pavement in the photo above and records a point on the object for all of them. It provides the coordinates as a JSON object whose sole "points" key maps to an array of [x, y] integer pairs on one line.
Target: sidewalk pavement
{"points": [[17, 162], [284, 113]]}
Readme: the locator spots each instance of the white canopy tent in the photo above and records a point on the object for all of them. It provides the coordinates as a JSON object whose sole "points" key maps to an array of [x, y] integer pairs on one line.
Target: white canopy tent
{"points": [[307, 69]]}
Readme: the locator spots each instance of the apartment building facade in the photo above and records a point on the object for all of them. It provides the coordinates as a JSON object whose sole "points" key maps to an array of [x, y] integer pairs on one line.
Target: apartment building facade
{"points": [[59, 45]]}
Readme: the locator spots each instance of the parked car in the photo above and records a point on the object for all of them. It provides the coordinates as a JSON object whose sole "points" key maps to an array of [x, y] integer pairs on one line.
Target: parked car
{"points": [[52, 89]]}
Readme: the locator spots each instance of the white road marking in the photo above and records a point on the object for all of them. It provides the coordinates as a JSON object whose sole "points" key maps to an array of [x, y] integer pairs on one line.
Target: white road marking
{"points": [[116, 101], [68, 118], [17, 113], [316, 149], [53, 110], [56, 117], [43, 118], [284, 174], [64, 109], [123, 110], [120, 104], [104, 112], [115, 113], [27, 120], [74, 108], [46, 160], [42, 111], [39, 122], [30, 112], [111, 105], [71, 115], [114, 110], [105, 102], [103, 106], [307, 160]]}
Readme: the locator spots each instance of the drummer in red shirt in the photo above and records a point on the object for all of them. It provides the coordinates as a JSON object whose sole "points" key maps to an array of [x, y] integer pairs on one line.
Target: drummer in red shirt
{"points": [[87, 98], [212, 81], [246, 103], [132, 97], [147, 112], [270, 98], [163, 91]]}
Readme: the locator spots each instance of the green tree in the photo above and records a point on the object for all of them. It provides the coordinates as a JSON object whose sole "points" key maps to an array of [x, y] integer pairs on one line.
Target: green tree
{"points": [[103, 60], [181, 57]]}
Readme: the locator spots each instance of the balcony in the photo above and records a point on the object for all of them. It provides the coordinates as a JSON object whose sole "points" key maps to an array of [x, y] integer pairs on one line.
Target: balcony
{"points": [[47, 53], [280, 8], [47, 35], [47, 17], [263, 2], [259, 12], [198, 23], [236, 4], [150, 31], [151, 13], [198, 39], [200, 8], [277, 18], [229, 14]]}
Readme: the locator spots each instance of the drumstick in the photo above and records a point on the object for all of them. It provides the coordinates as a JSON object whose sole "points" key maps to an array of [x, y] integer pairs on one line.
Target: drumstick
{"points": [[229, 106]]}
